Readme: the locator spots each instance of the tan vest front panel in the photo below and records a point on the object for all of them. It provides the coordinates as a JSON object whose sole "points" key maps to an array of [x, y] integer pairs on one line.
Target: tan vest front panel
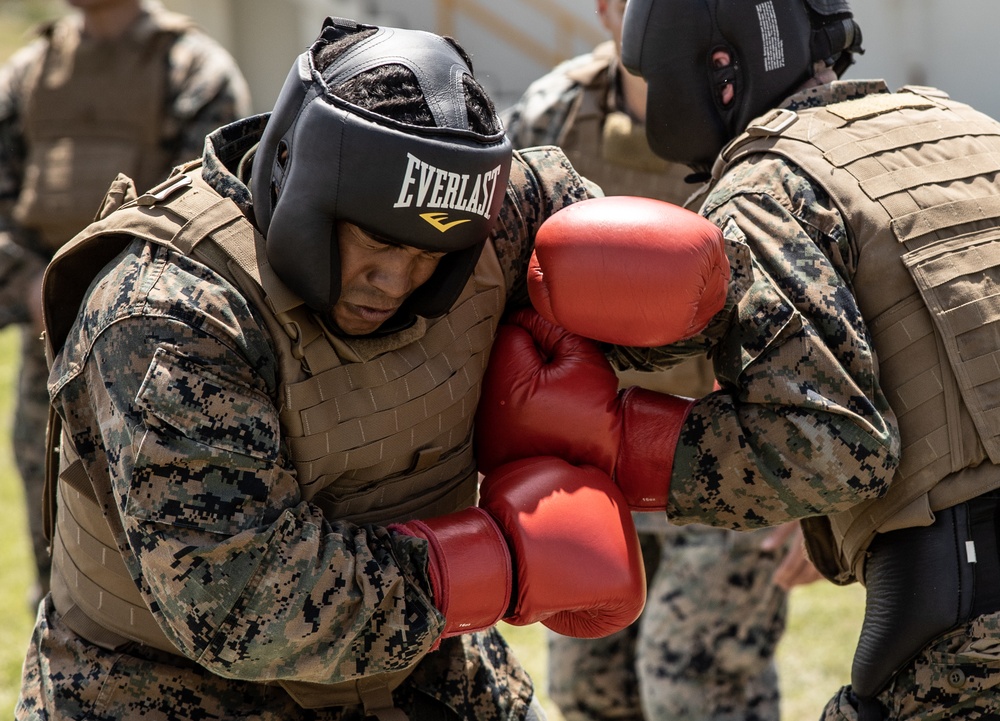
{"points": [[378, 430], [922, 205], [77, 140]]}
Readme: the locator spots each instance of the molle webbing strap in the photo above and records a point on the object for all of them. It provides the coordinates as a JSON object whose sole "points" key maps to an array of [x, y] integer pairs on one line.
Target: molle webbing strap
{"points": [[374, 692], [969, 166], [906, 136], [969, 320], [310, 344], [423, 497], [91, 587], [418, 391]]}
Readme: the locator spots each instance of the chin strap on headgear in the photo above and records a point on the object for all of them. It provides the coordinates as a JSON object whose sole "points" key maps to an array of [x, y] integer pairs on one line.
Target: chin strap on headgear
{"points": [[322, 160], [772, 46]]}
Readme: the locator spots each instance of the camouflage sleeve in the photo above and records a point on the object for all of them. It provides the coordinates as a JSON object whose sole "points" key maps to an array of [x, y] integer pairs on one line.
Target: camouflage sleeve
{"points": [[20, 269], [245, 577], [801, 426], [19, 266], [207, 91], [542, 180], [539, 116], [12, 147]]}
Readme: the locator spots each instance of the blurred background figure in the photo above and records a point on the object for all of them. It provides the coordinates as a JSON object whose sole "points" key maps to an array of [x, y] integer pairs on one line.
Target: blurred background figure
{"points": [[704, 646], [116, 86]]}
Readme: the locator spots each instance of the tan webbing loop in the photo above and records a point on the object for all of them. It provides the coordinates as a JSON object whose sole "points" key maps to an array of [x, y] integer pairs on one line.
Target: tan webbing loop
{"points": [[968, 166], [73, 472], [377, 699], [374, 692], [774, 122], [308, 340], [207, 214], [939, 217], [901, 334], [902, 137]]}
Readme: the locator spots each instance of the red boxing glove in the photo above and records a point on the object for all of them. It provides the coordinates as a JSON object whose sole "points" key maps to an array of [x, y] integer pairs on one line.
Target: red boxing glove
{"points": [[579, 566], [627, 270], [547, 391], [469, 566], [570, 535]]}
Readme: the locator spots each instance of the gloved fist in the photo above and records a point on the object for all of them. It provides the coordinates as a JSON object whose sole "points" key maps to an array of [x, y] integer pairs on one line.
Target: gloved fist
{"points": [[547, 391], [578, 564], [568, 533], [628, 270]]}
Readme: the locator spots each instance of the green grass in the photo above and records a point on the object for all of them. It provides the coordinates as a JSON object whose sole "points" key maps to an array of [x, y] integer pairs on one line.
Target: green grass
{"points": [[17, 17], [16, 566]]}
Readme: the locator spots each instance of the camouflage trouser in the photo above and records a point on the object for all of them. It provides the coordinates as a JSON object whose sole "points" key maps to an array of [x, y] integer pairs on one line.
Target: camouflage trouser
{"points": [[957, 676], [30, 418], [703, 647]]}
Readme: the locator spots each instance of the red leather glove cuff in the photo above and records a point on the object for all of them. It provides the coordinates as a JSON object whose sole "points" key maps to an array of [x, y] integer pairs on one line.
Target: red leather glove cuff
{"points": [[470, 568], [651, 427]]}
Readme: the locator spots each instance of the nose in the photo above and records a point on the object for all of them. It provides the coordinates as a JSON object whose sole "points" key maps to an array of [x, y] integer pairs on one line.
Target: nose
{"points": [[394, 274]]}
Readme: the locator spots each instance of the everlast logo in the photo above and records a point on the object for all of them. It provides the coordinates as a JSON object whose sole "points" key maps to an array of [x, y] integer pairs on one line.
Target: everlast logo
{"points": [[425, 186]]}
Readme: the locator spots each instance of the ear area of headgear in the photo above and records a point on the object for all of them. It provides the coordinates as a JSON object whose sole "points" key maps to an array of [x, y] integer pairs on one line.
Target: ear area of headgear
{"points": [[299, 231]]}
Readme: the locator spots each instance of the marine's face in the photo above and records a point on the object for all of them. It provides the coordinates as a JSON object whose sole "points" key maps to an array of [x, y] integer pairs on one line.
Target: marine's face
{"points": [[376, 277]]}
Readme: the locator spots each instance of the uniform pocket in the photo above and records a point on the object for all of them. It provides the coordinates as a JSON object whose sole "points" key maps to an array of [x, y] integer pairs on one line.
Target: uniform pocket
{"points": [[208, 408], [959, 672], [207, 458]]}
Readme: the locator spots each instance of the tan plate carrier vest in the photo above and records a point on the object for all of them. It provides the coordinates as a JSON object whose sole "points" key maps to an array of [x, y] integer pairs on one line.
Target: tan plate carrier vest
{"points": [[915, 176], [78, 139], [605, 146], [352, 414]]}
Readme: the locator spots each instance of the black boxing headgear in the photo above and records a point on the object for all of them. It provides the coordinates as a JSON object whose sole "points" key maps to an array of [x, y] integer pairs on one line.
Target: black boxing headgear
{"points": [[772, 46], [322, 159]]}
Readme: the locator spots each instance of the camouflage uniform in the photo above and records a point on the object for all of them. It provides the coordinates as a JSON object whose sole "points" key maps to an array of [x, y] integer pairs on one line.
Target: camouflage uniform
{"points": [[802, 427], [227, 554], [204, 90], [704, 645]]}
